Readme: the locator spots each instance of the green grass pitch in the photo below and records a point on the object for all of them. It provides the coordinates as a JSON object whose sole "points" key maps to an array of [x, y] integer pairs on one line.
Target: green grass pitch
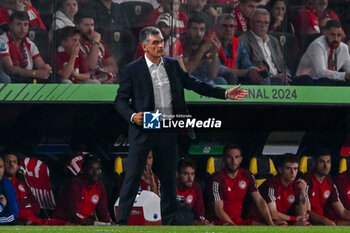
{"points": [[172, 229]]}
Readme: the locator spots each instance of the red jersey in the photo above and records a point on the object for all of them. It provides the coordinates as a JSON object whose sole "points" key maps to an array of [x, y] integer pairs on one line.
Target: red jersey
{"points": [[193, 196], [103, 53], [180, 24], [62, 59], [34, 17], [232, 192], [342, 181], [25, 198], [272, 190], [308, 19], [145, 186], [321, 194], [78, 201]]}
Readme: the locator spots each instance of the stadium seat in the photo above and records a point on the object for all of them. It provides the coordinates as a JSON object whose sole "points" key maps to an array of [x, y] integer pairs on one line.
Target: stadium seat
{"points": [[306, 164], [119, 164], [121, 44], [37, 175], [40, 37], [343, 165], [214, 164], [136, 12], [262, 168]]}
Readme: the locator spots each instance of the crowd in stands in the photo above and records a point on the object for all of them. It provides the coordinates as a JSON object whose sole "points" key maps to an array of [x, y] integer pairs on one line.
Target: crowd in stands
{"points": [[230, 196], [260, 42]]}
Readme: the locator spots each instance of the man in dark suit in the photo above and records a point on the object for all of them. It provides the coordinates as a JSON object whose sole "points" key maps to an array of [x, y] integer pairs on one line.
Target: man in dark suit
{"points": [[264, 50], [154, 82]]}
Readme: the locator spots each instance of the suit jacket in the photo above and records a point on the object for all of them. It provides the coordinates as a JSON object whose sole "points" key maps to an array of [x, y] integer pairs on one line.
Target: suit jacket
{"points": [[136, 85], [256, 54]]}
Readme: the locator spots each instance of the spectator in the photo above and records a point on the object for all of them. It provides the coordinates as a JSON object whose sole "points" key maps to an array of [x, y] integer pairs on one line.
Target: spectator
{"points": [[83, 200], [29, 208], [307, 21], [107, 14], [101, 64], [286, 197], [11, 6], [200, 56], [172, 45], [228, 189], [323, 194], [70, 62], [172, 7], [8, 204], [21, 54], [190, 190], [264, 50], [64, 17], [200, 8], [243, 12], [327, 59], [233, 55], [278, 22]]}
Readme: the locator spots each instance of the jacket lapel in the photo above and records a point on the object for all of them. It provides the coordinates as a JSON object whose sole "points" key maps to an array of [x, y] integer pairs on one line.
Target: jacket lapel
{"points": [[145, 76], [256, 48]]}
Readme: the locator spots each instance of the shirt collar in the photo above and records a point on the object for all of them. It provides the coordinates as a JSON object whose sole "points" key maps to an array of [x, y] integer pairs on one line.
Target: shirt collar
{"points": [[259, 38], [149, 63]]}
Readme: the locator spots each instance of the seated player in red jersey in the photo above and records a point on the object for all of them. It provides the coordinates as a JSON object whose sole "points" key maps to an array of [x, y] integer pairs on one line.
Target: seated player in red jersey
{"points": [[228, 189], [29, 208], [70, 63], [190, 190], [286, 197], [342, 181], [326, 208], [83, 200]]}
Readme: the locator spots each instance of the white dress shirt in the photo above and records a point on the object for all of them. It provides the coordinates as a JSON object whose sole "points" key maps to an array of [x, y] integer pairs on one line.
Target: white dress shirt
{"points": [[315, 61]]}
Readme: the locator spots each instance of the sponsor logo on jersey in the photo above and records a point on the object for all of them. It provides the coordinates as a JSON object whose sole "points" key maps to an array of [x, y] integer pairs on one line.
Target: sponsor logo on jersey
{"points": [[189, 199], [291, 199], [94, 199], [242, 184], [326, 194]]}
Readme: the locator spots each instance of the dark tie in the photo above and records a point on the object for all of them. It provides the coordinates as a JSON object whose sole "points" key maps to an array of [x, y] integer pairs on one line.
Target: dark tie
{"points": [[331, 65]]}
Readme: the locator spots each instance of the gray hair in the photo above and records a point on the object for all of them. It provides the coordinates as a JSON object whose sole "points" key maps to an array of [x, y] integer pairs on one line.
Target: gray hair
{"points": [[260, 11], [146, 32], [225, 17]]}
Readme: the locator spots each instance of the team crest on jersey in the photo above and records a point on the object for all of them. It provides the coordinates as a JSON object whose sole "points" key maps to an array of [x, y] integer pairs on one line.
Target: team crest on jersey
{"points": [[291, 199], [21, 188], [94, 199], [326, 194], [242, 184], [189, 199], [229, 189]]}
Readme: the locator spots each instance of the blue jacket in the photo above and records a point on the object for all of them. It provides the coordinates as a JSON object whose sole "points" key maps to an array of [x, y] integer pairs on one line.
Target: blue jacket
{"points": [[8, 213]]}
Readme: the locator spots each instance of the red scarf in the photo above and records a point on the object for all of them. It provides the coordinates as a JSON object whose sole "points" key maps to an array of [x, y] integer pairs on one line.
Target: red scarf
{"points": [[241, 21], [230, 62], [18, 55]]}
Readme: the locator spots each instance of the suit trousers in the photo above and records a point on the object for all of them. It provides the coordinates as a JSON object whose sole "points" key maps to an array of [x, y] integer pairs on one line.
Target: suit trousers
{"points": [[164, 145]]}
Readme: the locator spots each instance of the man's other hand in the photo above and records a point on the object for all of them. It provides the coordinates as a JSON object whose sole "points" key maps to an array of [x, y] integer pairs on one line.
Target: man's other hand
{"points": [[236, 93], [138, 118]]}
